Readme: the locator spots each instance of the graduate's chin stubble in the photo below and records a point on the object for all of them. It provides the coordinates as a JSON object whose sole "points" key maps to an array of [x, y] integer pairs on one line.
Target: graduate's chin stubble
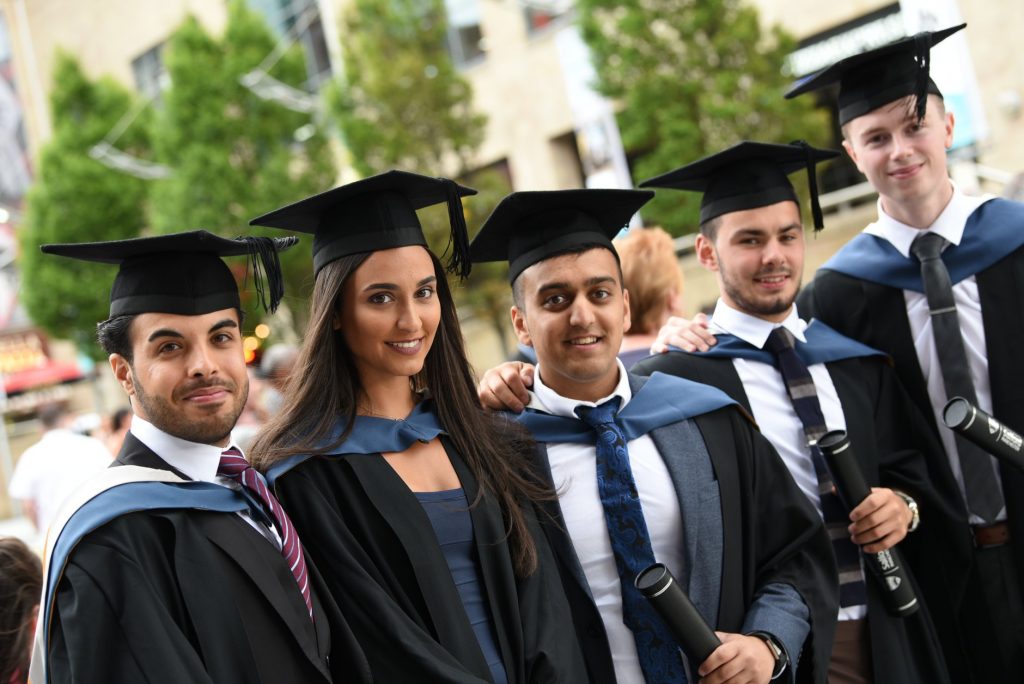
{"points": [[212, 430]]}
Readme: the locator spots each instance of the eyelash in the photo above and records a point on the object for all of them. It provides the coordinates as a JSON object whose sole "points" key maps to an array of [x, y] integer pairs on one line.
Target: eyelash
{"points": [[387, 298], [599, 295]]}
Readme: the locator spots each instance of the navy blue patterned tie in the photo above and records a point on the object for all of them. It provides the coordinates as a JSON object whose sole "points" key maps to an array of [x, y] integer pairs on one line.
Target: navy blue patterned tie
{"points": [[658, 652], [804, 397]]}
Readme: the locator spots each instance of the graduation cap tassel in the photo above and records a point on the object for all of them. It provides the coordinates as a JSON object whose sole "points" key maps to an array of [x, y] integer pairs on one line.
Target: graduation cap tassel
{"points": [[922, 54], [812, 183], [459, 260], [266, 268]]}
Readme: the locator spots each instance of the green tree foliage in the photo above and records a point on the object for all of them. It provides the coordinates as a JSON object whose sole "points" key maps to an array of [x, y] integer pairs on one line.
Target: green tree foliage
{"points": [[77, 199], [233, 155], [692, 77], [403, 104], [485, 294]]}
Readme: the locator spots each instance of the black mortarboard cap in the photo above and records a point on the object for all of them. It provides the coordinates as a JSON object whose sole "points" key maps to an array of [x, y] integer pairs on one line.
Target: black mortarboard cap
{"points": [[880, 76], [527, 227], [182, 273], [375, 213], [747, 176]]}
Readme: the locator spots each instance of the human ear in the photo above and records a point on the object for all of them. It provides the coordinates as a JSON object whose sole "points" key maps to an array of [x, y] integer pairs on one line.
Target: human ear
{"points": [[705, 249], [123, 373], [520, 327]]}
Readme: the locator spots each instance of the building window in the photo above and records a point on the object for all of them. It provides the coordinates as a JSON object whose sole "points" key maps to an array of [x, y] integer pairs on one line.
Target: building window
{"points": [[465, 39], [300, 19], [151, 77], [542, 13]]}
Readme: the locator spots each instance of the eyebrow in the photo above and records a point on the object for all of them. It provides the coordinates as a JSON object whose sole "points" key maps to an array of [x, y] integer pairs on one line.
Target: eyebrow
{"points": [[226, 323], [589, 282], [392, 286], [757, 232], [168, 332], [165, 332]]}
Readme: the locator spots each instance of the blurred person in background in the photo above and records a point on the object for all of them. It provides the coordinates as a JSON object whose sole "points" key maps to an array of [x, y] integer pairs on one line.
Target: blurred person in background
{"points": [[120, 421], [275, 367], [651, 275], [253, 415], [20, 585], [53, 467]]}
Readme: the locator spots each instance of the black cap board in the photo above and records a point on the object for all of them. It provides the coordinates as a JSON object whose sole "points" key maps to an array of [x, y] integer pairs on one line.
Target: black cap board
{"points": [[527, 227], [182, 273], [747, 175], [880, 76], [375, 213]]}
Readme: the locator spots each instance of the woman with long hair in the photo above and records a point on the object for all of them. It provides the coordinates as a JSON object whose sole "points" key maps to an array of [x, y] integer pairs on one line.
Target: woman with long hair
{"points": [[21, 578], [414, 504]]}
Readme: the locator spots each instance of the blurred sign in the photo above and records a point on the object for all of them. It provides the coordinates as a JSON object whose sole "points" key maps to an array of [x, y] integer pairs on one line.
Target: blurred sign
{"points": [[25, 363], [845, 43]]}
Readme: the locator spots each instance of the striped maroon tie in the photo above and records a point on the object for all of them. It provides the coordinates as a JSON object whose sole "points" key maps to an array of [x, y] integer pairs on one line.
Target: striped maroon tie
{"points": [[234, 465]]}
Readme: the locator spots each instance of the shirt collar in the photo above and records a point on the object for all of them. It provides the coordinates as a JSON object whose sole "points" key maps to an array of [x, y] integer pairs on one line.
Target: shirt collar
{"points": [[949, 224], [751, 329], [198, 461], [543, 398]]}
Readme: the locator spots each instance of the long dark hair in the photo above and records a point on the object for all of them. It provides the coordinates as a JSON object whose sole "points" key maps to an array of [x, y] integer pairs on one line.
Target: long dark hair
{"points": [[324, 386], [21, 578]]}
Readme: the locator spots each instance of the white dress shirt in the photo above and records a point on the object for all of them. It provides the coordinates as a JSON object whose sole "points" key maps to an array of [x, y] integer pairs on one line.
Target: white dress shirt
{"points": [[54, 467], [574, 471], [950, 225], [772, 408], [196, 461]]}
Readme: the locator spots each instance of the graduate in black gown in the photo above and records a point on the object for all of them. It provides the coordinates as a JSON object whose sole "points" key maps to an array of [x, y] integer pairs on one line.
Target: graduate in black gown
{"points": [[410, 498], [936, 282], [164, 568], [688, 483], [752, 238]]}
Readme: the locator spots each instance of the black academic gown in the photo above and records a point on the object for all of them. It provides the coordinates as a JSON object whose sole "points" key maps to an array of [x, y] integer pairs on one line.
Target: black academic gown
{"points": [[877, 316], [190, 596], [771, 535], [381, 561], [880, 422]]}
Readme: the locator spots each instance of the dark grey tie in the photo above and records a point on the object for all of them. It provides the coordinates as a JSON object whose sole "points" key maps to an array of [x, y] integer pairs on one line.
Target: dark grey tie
{"points": [[980, 485]]}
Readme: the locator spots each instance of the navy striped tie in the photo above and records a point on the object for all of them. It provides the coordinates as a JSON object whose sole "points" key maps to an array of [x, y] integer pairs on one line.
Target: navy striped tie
{"points": [[234, 466], [804, 397]]}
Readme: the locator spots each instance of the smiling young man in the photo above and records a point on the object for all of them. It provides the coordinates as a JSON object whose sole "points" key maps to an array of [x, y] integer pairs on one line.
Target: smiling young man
{"points": [[657, 469], [799, 381], [936, 282], [176, 565]]}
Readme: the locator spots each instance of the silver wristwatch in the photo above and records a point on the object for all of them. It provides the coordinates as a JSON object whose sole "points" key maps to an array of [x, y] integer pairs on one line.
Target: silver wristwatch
{"points": [[915, 512]]}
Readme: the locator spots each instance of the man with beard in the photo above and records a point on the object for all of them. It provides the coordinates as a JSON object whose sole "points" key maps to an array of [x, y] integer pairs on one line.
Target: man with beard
{"points": [[176, 564], [652, 469], [800, 380]]}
